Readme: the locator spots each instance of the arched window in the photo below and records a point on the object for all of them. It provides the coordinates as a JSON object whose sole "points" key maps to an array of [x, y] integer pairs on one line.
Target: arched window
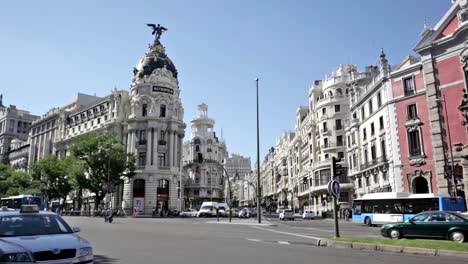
{"points": [[162, 111], [144, 110], [197, 141], [330, 94], [209, 142], [339, 91]]}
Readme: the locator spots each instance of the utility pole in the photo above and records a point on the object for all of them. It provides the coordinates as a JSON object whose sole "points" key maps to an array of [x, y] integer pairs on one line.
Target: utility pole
{"points": [[259, 189]]}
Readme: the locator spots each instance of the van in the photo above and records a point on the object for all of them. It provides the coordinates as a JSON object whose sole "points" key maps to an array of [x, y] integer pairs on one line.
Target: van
{"points": [[207, 209]]}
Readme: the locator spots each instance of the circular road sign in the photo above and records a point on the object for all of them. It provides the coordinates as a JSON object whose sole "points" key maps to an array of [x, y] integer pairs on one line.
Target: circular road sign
{"points": [[334, 188]]}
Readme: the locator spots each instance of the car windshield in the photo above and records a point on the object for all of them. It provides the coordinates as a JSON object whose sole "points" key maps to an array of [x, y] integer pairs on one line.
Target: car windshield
{"points": [[31, 225], [207, 207]]}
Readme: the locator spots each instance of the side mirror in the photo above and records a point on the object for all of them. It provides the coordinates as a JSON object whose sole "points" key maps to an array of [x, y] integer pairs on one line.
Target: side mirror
{"points": [[76, 229]]}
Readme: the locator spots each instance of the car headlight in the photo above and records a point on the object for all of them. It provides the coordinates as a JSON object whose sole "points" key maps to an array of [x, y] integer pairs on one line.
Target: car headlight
{"points": [[86, 251], [16, 257]]}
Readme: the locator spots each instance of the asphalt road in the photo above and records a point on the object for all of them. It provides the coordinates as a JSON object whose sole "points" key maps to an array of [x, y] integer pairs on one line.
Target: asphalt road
{"points": [[200, 241]]}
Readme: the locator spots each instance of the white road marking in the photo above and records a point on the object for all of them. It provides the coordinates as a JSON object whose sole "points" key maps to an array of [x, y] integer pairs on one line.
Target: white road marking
{"points": [[283, 243], [254, 240], [286, 233]]}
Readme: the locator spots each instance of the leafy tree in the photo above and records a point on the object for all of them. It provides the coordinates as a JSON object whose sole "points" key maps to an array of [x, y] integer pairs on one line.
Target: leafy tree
{"points": [[105, 160], [75, 169], [52, 174], [16, 182]]}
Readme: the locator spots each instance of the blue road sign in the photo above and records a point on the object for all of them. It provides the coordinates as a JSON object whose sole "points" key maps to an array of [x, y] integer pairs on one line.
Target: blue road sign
{"points": [[334, 188]]}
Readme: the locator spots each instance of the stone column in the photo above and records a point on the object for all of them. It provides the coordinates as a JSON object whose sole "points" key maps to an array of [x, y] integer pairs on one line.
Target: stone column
{"points": [[148, 148], [150, 195], [169, 148], [174, 152], [127, 203], [155, 147]]}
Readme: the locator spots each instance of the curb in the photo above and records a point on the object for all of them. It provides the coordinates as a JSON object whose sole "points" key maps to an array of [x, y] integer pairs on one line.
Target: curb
{"points": [[395, 249]]}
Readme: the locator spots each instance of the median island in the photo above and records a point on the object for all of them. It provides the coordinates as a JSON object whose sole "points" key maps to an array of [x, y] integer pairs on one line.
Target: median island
{"points": [[417, 243]]}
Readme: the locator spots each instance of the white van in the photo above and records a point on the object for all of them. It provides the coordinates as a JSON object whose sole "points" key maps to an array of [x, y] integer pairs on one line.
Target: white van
{"points": [[207, 209]]}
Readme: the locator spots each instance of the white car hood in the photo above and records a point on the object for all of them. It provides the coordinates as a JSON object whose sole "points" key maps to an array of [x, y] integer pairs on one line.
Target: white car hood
{"points": [[46, 242]]}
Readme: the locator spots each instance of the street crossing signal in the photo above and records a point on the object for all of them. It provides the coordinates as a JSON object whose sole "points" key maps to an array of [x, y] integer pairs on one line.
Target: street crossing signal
{"points": [[336, 168], [200, 157]]}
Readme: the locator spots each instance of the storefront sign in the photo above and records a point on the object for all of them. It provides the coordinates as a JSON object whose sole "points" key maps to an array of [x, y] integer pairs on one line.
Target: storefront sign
{"points": [[138, 205], [160, 89]]}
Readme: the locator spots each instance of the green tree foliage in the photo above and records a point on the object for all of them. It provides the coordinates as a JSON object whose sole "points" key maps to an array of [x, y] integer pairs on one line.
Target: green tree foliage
{"points": [[16, 182], [75, 169], [53, 177], [105, 160]]}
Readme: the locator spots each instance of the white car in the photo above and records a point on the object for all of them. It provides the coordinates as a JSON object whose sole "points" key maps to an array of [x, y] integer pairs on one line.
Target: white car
{"points": [[30, 236], [286, 214], [308, 214], [189, 213]]}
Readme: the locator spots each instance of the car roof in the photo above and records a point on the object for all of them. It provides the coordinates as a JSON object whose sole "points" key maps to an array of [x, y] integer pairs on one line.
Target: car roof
{"points": [[17, 212]]}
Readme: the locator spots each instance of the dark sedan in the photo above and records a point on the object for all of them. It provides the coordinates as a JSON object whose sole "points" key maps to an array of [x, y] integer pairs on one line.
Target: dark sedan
{"points": [[434, 224]]}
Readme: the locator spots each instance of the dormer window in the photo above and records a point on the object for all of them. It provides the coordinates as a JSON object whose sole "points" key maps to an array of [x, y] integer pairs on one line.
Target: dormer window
{"points": [[162, 111], [144, 110]]}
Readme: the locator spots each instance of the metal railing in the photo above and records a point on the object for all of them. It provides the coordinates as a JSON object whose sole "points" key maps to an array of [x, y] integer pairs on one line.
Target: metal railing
{"points": [[373, 162]]}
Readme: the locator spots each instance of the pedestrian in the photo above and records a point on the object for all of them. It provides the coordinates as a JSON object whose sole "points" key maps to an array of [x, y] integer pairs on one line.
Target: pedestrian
{"points": [[346, 214]]}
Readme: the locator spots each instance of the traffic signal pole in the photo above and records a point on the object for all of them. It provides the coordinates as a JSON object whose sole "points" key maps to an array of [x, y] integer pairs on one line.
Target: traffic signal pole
{"points": [[334, 167]]}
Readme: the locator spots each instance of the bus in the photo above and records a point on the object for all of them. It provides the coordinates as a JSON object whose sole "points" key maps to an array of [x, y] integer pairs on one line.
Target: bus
{"points": [[15, 202], [382, 208]]}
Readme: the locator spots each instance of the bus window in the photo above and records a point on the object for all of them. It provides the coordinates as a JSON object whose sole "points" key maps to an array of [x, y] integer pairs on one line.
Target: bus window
{"points": [[17, 203], [357, 206]]}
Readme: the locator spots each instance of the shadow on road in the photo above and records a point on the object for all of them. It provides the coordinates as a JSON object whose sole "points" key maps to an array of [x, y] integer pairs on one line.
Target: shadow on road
{"points": [[104, 259]]}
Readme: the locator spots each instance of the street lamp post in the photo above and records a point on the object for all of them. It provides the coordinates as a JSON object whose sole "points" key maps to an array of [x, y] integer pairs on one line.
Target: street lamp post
{"points": [[259, 189], [452, 176]]}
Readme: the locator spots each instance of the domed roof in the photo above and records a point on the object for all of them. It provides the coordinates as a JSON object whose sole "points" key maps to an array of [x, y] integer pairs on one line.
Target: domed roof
{"points": [[154, 59]]}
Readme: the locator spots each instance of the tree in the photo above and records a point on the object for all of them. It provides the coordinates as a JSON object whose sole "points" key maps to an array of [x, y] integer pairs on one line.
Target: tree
{"points": [[75, 169], [106, 162], [52, 175], [16, 182]]}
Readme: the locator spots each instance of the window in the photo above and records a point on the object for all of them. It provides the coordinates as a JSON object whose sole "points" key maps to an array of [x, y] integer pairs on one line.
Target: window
{"points": [[337, 108], [208, 192], [92, 122], [365, 156], [355, 160], [384, 175], [339, 91], [141, 159], [371, 108], [339, 141], [364, 134], [379, 99], [412, 111], [408, 86], [325, 128], [197, 148], [340, 155], [359, 183], [162, 135], [420, 217], [326, 156], [324, 111], [338, 125], [162, 159], [367, 181], [373, 152], [105, 118], [99, 120], [142, 137], [383, 149], [372, 129], [353, 138], [381, 123], [414, 143], [325, 142], [363, 113], [144, 110], [349, 141], [162, 111]]}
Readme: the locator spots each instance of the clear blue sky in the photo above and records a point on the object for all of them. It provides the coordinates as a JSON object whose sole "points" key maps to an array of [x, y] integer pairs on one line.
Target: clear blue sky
{"points": [[50, 50]]}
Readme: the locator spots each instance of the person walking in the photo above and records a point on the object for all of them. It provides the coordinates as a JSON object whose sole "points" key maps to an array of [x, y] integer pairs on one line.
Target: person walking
{"points": [[346, 214]]}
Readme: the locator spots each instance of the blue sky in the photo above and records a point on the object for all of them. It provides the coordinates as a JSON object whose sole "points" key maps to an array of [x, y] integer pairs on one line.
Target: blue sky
{"points": [[50, 50]]}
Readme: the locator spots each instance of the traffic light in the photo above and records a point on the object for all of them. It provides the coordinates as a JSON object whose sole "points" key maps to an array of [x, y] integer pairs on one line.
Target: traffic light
{"points": [[200, 157], [336, 168]]}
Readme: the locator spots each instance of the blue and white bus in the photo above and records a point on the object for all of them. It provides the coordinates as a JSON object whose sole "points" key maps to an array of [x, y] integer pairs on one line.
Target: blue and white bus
{"points": [[15, 202], [381, 208]]}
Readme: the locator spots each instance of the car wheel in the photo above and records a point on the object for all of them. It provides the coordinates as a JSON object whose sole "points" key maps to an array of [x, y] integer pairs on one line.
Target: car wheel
{"points": [[368, 221], [457, 236], [394, 233]]}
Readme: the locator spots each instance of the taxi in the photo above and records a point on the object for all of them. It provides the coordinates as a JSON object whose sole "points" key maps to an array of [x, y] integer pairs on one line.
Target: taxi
{"points": [[33, 236]]}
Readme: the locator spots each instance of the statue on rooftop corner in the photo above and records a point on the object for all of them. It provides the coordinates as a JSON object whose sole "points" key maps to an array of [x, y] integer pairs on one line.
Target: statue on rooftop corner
{"points": [[157, 31]]}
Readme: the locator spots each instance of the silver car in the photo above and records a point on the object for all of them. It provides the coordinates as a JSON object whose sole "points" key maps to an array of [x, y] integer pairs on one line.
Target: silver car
{"points": [[30, 236]]}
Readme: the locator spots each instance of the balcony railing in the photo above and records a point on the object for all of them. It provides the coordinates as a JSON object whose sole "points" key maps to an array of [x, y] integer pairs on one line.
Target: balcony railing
{"points": [[373, 162], [142, 142], [162, 142]]}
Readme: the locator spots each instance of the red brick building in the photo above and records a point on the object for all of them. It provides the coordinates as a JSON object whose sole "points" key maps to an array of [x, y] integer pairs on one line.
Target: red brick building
{"points": [[427, 94]]}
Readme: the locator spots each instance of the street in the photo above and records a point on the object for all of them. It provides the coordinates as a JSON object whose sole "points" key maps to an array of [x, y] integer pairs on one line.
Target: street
{"points": [[146, 240]]}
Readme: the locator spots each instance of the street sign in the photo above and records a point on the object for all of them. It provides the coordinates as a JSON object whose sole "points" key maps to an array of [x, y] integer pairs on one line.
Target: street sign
{"points": [[334, 188]]}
